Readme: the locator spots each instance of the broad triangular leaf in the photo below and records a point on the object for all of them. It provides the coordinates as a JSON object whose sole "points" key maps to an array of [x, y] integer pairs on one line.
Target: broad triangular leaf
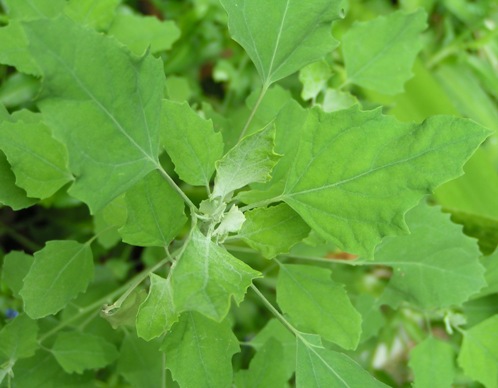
{"points": [[281, 36], [18, 338], [379, 53], [436, 252], [191, 143], [206, 277], [61, 270], [355, 173], [99, 95], [200, 351], [314, 302], [155, 212]]}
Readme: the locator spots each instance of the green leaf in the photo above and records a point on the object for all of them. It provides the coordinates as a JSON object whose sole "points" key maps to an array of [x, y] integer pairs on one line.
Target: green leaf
{"points": [[432, 362], [249, 161], [314, 302], [18, 338], [38, 160], [10, 194], [379, 53], [126, 314], [353, 192], [76, 351], [372, 319], [95, 13], [16, 266], [206, 277], [29, 9], [326, 368], [314, 78], [282, 36], [140, 33], [157, 311], [491, 275], [199, 351], [14, 49], [266, 368], [273, 230], [479, 353], [155, 212], [61, 270], [435, 252], [336, 100], [191, 142], [84, 111]]}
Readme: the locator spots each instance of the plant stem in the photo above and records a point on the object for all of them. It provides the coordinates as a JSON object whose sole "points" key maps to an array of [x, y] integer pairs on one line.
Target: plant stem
{"points": [[253, 111], [172, 183]]}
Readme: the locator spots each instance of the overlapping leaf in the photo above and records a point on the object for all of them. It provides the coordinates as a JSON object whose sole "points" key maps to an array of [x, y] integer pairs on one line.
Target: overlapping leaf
{"points": [[18, 338]]}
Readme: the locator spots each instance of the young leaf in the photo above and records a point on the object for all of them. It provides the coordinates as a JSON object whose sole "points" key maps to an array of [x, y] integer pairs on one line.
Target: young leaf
{"points": [[155, 212], [379, 53], [314, 302], [206, 277], [436, 252], [249, 161], [432, 362], [10, 194], [318, 367], [479, 353], [76, 351], [200, 351], [157, 312], [16, 265], [273, 230], [38, 160], [191, 142], [18, 338], [61, 270], [314, 78], [282, 36], [354, 192], [83, 111]]}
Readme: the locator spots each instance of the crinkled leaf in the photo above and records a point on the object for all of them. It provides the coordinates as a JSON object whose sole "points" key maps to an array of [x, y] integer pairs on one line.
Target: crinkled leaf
{"points": [[157, 310], [199, 351], [353, 192], [432, 362], [379, 53], [314, 78], [273, 230], [281, 36], [479, 353], [140, 33], [76, 351], [99, 95], [436, 252], [10, 194], [326, 368], [206, 277], [61, 270], [249, 161], [155, 212], [18, 338], [191, 142], [16, 265], [95, 13], [38, 161], [314, 302]]}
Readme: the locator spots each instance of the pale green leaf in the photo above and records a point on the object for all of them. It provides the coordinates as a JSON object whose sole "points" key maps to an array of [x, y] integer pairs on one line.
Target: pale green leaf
{"points": [[314, 78], [432, 362], [282, 36], [178, 88], [206, 277], [18, 338], [60, 271], [326, 368], [199, 351], [353, 192], [95, 13], [18, 89], [336, 100], [84, 111], [436, 252], [76, 351], [33, 9], [15, 267], [273, 230], [315, 302], [231, 223], [157, 311], [10, 194], [191, 142], [266, 368], [249, 161], [479, 353], [140, 33], [38, 161], [155, 212], [380, 53]]}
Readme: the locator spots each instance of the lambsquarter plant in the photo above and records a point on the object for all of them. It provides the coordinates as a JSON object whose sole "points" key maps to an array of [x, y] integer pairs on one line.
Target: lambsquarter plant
{"points": [[236, 221]]}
